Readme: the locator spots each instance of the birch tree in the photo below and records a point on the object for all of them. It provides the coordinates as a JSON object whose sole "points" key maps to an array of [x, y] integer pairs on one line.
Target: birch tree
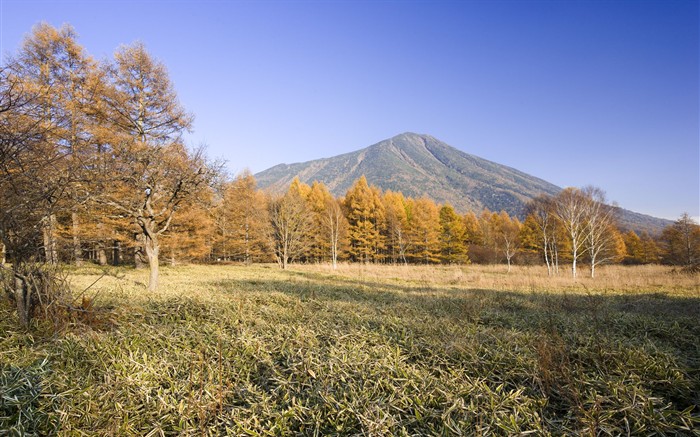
{"points": [[508, 236], [336, 227], [541, 214], [570, 208], [602, 240]]}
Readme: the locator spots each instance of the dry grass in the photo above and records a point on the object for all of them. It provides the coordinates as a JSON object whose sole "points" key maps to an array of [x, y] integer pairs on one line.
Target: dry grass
{"points": [[620, 279], [364, 350]]}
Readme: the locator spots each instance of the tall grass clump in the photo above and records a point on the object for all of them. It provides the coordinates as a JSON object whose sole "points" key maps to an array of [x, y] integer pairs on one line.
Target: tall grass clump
{"points": [[365, 350]]}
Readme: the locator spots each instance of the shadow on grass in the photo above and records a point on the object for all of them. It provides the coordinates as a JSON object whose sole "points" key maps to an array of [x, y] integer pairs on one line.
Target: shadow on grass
{"points": [[670, 323], [306, 286]]}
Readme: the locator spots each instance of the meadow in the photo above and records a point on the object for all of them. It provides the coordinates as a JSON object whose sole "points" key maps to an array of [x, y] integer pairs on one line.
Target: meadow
{"points": [[361, 350]]}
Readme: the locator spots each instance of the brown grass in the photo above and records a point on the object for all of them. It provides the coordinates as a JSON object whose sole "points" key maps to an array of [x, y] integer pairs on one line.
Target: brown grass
{"points": [[619, 279], [363, 350]]}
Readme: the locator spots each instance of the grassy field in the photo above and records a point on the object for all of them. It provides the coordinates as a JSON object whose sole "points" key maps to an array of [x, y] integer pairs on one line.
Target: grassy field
{"points": [[364, 350]]}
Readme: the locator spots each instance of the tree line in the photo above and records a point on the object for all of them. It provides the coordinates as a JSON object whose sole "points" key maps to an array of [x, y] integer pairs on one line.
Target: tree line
{"points": [[307, 224], [93, 168]]}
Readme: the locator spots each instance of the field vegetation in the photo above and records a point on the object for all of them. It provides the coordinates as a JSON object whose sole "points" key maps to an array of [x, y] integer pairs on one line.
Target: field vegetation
{"points": [[410, 337], [360, 350]]}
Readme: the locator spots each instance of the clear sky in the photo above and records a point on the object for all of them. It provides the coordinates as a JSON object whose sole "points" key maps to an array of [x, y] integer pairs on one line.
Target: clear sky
{"points": [[574, 92]]}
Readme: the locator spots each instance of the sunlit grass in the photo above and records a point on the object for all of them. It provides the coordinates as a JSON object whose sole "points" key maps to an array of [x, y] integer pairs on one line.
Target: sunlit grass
{"points": [[369, 350]]}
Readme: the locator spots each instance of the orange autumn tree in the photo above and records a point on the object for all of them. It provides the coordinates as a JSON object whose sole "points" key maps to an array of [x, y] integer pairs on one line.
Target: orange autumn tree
{"points": [[290, 224], [395, 206], [151, 172], [640, 249], [241, 221], [366, 215], [54, 68], [507, 235], [424, 231], [190, 233], [330, 225], [453, 247]]}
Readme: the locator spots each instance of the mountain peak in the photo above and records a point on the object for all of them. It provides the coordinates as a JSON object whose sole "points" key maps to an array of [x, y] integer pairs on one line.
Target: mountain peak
{"points": [[421, 165], [418, 165]]}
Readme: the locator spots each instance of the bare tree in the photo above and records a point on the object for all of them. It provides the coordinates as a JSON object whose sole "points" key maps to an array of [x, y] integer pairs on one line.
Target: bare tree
{"points": [[570, 208], [290, 227], [508, 235], [23, 163], [541, 210], [336, 226], [682, 242], [600, 234]]}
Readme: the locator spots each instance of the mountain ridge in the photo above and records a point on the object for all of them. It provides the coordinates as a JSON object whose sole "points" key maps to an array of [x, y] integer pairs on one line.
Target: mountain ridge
{"points": [[421, 165]]}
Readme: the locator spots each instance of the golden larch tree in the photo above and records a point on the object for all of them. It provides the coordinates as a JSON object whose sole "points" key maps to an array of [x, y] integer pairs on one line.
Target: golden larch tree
{"points": [[395, 207], [365, 214], [453, 246], [424, 230], [151, 171]]}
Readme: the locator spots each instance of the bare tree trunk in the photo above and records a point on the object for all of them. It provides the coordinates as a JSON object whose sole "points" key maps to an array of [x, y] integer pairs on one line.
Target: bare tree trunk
{"points": [[116, 252], [100, 251], [49, 233], [23, 300], [402, 246], [247, 243], [546, 257], [334, 248], [285, 256], [139, 255], [77, 250], [152, 248], [101, 254], [3, 253]]}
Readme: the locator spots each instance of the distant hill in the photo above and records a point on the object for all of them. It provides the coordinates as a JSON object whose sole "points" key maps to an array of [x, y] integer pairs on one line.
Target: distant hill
{"points": [[421, 165]]}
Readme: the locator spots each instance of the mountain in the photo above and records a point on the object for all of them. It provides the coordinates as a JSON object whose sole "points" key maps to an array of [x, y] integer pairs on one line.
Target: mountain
{"points": [[421, 165], [418, 165]]}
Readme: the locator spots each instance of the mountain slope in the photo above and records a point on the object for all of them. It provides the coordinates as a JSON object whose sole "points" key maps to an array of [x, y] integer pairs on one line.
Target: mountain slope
{"points": [[421, 165], [418, 165]]}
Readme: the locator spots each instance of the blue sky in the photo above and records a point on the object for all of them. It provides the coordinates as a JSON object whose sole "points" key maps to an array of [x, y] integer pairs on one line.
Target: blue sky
{"points": [[574, 92]]}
